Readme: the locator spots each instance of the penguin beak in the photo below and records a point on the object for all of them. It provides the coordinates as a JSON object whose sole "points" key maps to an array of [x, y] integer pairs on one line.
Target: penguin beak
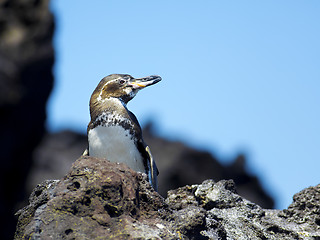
{"points": [[139, 83]]}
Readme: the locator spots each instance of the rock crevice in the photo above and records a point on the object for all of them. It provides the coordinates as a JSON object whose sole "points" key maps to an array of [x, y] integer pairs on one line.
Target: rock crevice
{"points": [[98, 199]]}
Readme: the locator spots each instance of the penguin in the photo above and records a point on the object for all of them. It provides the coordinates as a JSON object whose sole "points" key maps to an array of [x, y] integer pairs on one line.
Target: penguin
{"points": [[114, 132]]}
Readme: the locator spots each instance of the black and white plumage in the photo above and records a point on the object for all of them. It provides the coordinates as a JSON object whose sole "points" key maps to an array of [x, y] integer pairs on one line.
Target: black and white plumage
{"points": [[114, 132]]}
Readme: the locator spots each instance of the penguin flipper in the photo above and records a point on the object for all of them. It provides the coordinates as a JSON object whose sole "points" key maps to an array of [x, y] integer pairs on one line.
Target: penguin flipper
{"points": [[86, 152], [153, 170]]}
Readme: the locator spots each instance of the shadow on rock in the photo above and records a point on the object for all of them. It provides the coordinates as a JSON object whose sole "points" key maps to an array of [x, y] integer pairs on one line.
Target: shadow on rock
{"points": [[179, 164], [102, 200]]}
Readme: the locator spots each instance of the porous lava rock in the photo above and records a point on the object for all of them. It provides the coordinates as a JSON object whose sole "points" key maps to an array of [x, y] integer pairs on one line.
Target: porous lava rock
{"points": [[178, 163], [102, 200]]}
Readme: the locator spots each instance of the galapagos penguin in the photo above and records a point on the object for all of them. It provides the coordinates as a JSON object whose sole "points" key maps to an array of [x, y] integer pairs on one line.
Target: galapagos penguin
{"points": [[114, 132]]}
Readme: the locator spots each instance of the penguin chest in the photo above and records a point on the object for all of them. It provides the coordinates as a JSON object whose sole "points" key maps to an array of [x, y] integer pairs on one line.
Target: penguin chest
{"points": [[115, 144]]}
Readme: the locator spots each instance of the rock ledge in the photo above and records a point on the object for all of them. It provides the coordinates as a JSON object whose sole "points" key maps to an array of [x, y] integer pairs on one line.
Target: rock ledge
{"points": [[102, 200]]}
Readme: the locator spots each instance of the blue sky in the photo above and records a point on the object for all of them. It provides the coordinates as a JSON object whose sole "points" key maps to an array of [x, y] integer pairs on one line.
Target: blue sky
{"points": [[238, 77]]}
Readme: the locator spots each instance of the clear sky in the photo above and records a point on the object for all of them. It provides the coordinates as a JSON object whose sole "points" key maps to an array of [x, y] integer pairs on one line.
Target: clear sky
{"points": [[238, 77]]}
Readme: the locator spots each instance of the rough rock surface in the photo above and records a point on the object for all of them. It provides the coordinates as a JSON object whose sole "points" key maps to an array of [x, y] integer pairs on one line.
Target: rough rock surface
{"points": [[179, 165], [102, 200], [26, 60], [182, 165]]}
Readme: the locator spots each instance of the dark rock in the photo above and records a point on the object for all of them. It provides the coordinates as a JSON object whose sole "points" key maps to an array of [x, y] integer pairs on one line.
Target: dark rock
{"points": [[305, 208], [182, 165], [26, 60], [190, 222], [102, 200], [179, 164], [53, 157], [97, 198]]}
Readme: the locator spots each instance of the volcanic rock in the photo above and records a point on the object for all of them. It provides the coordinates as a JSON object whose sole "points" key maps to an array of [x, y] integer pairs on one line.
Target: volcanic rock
{"points": [[179, 164], [102, 200]]}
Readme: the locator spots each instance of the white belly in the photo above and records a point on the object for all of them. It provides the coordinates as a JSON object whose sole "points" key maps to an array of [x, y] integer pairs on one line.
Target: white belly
{"points": [[114, 144]]}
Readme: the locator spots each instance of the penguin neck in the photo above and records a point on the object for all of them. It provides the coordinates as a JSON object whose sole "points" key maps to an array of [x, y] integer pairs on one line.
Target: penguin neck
{"points": [[113, 103], [108, 107]]}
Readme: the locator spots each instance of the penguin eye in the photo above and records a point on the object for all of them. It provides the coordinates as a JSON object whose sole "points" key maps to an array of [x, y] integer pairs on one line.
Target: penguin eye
{"points": [[122, 81]]}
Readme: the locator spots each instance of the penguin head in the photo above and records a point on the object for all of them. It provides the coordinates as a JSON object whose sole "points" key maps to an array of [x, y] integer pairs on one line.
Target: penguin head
{"points": [[121, 86]]}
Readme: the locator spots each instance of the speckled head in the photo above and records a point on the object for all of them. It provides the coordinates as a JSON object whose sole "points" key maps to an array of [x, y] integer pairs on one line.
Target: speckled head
{"points": [[117, 89], [121, 86]]}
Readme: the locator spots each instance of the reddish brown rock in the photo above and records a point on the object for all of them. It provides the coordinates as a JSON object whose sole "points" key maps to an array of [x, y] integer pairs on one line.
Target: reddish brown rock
{"points": [[179, 164], [102, 200], [96, 198]]}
